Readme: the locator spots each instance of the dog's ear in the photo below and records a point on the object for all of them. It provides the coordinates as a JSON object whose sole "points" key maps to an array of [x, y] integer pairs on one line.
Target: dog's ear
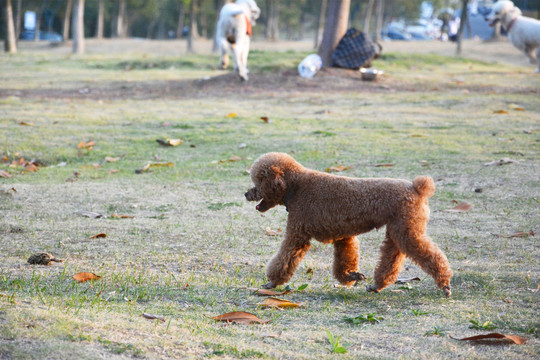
{"points": [[274, 183]]}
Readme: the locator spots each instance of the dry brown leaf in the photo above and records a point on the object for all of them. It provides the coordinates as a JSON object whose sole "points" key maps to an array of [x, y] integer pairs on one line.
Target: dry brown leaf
{"points": [[240, 317], [267, 292], [500, 162], [232, 115], [121, 216], [113, 171], [384, 165], [495, 339], [338, 168], [153, 317], [4, 159], [42, 259], [271, 232], [100, 235], [534, 290], [514, 235], [501, 111], [30, 168], [5, 174], [265, 119], [169, 142], [404, 281], [88, 145], [24, 123], [111, 159], [150, 165], [461, 207], [418, 136], [89, 214], [231, 159], [279, 303], [86, 276]]}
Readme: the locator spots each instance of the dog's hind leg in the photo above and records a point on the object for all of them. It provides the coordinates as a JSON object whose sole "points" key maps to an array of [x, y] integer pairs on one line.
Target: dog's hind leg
{"points": [[425, 253], [389, 265], [346, 261], [283, 265]]}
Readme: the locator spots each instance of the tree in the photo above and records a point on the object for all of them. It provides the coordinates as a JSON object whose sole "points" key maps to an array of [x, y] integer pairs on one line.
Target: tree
{"points": [[78, 27], [336, 25], [10, 45], [272, 18], [100, 20], [39, 15], [464, 19], [367, 18], [191, 26], [379, 14], [67, 16], [320, 23], [121, 20], [18, 19]]}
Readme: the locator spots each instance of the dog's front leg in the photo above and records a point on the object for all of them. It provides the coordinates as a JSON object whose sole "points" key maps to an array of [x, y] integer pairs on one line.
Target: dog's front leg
{"points": [[346, 261], [283, 265]]}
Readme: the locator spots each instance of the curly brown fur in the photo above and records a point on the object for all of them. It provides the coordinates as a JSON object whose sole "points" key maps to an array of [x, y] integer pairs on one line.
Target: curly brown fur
{"points": [[334, 209]]}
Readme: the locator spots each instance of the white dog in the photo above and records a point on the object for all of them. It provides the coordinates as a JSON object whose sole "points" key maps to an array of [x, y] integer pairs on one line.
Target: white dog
{"points": [[523, 32], [234, 33]]}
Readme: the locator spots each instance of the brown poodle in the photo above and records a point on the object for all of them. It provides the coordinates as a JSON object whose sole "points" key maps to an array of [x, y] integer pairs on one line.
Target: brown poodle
{"points": [[334, 209]]}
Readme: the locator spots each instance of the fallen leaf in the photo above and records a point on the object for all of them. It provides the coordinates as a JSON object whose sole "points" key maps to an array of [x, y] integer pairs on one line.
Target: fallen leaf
{"points": [[518, 235], [495, 339], [151, 165], [271, 232], [265, 119], [338, 168], [169, 142], [86, 276], [534, 290], [240, 317], [500, 111], [89, 145], [272, 335], [404, 281], [24, 123], [232, 115], [121, 216], [267, 292], [503, 161], [113, 171], [418, 136], [111, 159], [8, 191], [42, 259], [89, 214], [278, 303], [5, 174], [100, 235], [384, 165], [231, 159], [154, 317], [30, 168], [461, 207], [4, 159]]}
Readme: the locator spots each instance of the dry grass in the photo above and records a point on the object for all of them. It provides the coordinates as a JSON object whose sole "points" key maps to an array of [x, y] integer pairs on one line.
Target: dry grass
{"points": [[195, 244]]}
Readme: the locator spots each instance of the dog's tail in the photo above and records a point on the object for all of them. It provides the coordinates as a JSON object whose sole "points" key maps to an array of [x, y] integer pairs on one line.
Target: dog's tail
{"points": [[424, 186]]}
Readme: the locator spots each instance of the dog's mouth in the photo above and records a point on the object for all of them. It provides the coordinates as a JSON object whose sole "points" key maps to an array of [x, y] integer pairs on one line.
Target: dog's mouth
{"points": [[493, 22], [262, 206]]}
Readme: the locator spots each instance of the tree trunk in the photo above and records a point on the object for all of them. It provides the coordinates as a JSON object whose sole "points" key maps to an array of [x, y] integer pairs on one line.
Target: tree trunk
{"points": [[462, 24], [191, 26], [18, 20], [380, 17], [39, 15], [78, 27], [10, 44], [337, 19], [181, 18], [121, 19], [272, 20], [320, 22], [193, 29], [67, 17], [100, 20], [367, 19]]}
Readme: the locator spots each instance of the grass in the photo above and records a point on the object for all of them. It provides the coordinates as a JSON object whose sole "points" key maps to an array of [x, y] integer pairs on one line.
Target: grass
{"points": [[195, 245]]}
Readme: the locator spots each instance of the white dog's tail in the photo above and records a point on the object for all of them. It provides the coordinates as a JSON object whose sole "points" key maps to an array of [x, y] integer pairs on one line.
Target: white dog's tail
{"points": [[424, 186]]}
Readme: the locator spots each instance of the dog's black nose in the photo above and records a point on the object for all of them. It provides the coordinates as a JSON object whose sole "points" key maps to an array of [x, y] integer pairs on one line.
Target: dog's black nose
{"points": [[246, 195]]}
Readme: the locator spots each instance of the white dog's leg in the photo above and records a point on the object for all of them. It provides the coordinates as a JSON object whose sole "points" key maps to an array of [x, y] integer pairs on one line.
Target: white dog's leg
{"points": [[238, 51], [224, 57]]}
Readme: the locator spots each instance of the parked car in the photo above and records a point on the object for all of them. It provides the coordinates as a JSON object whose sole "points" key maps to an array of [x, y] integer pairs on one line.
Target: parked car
{"points": [[396, 34], [43, 35]]}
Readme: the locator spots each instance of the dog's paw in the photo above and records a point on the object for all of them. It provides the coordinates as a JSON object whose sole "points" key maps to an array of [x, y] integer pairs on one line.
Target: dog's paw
{"points": [[447, 290], [268, 285], [356, 276], [372, 288]]}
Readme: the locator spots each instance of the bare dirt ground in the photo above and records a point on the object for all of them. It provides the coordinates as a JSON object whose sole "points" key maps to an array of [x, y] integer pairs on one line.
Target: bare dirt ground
{"points": [[501, 51]]}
